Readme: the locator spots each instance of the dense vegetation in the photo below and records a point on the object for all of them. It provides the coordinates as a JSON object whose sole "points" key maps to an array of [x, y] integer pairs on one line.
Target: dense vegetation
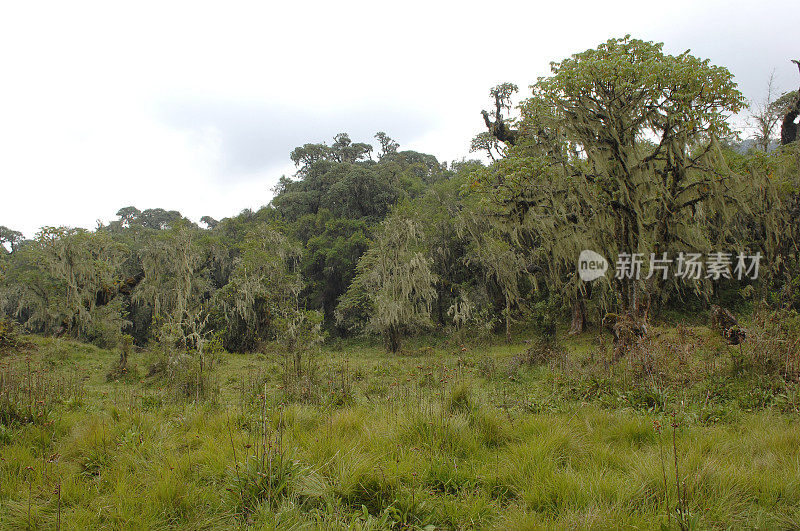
{"points": [[233, 376], [622, 149]]}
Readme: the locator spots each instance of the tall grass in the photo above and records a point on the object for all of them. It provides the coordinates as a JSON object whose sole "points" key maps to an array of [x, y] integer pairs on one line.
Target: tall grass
{"points": [[442, 439], [29, 391]]}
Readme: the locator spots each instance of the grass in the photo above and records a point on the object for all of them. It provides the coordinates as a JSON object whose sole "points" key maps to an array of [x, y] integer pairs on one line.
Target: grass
{"points": [[449, 437]]}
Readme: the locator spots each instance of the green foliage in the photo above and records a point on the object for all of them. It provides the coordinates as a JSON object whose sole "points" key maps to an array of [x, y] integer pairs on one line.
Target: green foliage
{"points": [[498, 256], [121, 369], [9, 337], [107, 324], [263, 287], [622, 148], [175, 284], [29, 393], [9, 237], [617, 150], [262, 480], [772, 347], [393, 289]]}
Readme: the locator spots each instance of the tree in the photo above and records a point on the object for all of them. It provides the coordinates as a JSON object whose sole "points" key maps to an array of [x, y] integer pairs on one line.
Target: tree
{"points": [[127, 215], [10, 237], [176, 284], [768, 224], [766, 115], [639, 127], [500, 128], [333, 246], [209, 222], [788, 125], [388, 146], [487, 142], [393, 288], [537, 201], [337, 198], [502, 262], [344, 150], [263, 289], [158, 218], [57, 282], [28, 293]]}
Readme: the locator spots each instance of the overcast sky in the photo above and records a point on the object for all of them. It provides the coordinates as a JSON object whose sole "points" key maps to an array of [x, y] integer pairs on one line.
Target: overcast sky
{"points": [[195, 106]]}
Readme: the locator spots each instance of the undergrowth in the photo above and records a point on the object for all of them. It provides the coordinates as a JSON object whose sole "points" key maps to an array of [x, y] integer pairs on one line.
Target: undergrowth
{"points": [[684, 431]]}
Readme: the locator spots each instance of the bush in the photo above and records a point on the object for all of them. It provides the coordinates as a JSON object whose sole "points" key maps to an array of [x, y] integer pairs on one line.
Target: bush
{"points": [[460, 398], [773, 346], [9, 337], [107, 324], [263, 479], [121, 370]]}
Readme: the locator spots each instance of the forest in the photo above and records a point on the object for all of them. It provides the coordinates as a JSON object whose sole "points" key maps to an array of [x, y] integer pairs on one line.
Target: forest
{"points": [[398, 342]]}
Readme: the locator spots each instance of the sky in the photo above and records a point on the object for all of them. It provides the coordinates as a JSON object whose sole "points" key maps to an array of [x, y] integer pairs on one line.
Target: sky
{"points": [[195, 106]]}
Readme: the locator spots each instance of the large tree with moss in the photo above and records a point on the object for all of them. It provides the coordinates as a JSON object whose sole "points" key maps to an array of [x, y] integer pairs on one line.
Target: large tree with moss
{"points": [[393, 290], [632, 132]]}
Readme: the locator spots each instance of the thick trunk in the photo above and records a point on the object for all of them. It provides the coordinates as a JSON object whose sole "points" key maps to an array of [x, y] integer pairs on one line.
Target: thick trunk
{"points": [[393, 339], [578, 316], [500, 130], [788, 127]]}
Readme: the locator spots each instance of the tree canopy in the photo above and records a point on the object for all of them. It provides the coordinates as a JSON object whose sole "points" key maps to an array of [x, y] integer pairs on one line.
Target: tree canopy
{"points": [[622, 149]]}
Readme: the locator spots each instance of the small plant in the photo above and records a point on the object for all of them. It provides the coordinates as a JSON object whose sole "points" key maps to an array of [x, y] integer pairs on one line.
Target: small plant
{"points": [[682, 506], [681, 509], [9, 337], [262, 478], [268, 474], [486, 367], [184, 373], [120, 369], [547, 344], [5, 435], [659, 429]]}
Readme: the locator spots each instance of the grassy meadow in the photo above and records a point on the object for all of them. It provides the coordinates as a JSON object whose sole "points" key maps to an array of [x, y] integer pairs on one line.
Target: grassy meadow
{"points": [[682, 433]]}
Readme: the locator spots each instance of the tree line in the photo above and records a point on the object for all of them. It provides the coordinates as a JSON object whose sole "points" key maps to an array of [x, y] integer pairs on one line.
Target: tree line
{"points": [[621, 149]]}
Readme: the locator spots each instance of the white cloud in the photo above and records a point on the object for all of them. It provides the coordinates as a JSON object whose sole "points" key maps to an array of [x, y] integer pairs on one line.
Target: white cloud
{"points": [[90, 89]]}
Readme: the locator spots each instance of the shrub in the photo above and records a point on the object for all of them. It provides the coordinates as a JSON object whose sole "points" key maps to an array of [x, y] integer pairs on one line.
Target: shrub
{"points": [[262, 479], [773, 346], [9, 337], [460, 398], [121, 370]]}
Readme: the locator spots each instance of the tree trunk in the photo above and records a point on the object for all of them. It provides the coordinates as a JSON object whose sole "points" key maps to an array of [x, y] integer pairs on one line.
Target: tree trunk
{"points": [[578, 316], [788, 127], [508, 320], [393, 338]]}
